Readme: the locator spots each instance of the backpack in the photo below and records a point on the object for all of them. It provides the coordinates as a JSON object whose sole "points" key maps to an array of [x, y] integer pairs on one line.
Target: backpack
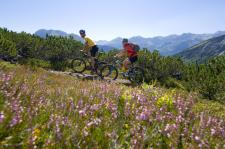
{"points": [[136, 47]]}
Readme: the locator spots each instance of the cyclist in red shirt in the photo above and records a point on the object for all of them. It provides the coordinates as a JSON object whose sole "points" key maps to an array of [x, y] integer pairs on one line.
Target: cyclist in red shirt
{"points": [[129, 50]]}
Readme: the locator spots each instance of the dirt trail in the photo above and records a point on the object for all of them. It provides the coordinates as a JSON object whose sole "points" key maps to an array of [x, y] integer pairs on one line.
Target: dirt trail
{"points": [[91, 77]]}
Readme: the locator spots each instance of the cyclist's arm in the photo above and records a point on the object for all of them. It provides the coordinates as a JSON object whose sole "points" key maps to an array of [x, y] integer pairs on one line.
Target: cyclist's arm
{"points": [[86, 48]]}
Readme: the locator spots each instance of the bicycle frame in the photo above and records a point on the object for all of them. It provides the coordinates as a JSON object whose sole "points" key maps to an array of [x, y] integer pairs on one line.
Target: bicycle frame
{"points": [[87, 59], [118, 63]]}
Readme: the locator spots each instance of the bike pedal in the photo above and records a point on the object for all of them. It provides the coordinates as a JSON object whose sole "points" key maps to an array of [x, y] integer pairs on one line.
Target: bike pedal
{"points": [[125, 75]]}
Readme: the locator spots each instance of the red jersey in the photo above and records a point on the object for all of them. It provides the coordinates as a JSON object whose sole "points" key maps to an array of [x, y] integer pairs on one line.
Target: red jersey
{"points": [[129, 47]]}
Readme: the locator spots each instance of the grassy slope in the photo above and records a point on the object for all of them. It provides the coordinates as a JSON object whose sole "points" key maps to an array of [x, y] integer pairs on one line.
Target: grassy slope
{"points": [[43, 109]]}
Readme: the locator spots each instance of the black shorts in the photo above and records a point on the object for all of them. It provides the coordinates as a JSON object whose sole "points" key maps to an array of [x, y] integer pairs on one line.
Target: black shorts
{"points": [[133, 59], [94, 51]]}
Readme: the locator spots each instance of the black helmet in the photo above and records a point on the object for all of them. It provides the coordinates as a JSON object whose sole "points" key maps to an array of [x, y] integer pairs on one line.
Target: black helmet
{"points": [[82, 31], [125, 40]]}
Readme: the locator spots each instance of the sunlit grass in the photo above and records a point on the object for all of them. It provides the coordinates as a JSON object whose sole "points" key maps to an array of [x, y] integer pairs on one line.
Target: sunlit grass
{"points": [[47, 110]]}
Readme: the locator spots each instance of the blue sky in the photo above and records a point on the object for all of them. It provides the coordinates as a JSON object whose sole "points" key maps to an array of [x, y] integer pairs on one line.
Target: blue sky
{"points": [[107, 19]]}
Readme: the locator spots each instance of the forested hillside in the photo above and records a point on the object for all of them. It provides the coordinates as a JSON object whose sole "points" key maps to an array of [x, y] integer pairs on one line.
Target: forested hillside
{"points": [[50, 52]]}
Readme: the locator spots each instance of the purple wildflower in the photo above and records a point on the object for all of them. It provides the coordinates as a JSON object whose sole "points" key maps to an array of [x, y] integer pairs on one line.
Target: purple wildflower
{"points": [[2, 116]]}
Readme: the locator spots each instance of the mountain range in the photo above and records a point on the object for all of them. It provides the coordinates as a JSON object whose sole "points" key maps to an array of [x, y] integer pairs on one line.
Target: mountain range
{"points": [[168, 45], [204, 50]]}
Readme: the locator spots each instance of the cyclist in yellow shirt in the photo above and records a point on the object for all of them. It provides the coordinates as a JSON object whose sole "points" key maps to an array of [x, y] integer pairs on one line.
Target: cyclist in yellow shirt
{"points": [[89, 47]]}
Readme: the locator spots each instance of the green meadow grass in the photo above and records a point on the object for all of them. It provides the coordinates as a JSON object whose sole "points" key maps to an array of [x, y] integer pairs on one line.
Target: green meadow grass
{"points": [[39, 109]]}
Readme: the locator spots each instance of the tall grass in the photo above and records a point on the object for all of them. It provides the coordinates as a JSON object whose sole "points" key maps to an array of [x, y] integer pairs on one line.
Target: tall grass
{"points": [[39, 109]]}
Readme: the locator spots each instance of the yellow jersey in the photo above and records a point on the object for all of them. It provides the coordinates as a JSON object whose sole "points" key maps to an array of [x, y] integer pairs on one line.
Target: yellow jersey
{"points": [[88, 43]]}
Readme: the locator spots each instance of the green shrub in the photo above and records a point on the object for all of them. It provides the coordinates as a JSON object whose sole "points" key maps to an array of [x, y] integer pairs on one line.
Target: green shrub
{"points": [[7, 48], [208, 79], [160, 68]]}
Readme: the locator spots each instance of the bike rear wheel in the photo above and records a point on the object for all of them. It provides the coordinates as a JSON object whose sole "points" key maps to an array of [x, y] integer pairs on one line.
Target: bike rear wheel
{"points": [[109, 72], [136, 75], [78, 65]]}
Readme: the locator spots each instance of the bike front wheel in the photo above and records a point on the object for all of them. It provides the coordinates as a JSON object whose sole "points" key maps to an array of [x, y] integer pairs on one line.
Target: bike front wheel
{"points": [[109, 72], [78, 65], [99, 66]]}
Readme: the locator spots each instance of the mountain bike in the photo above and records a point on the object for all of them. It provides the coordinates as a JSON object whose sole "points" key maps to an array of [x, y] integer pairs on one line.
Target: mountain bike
{"points": [[80, 64], [135, 74]]}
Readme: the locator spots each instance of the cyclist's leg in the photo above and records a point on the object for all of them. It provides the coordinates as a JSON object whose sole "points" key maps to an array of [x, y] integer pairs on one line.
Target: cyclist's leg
{"points": [[94, 51], [132, 60], [126, 64]]}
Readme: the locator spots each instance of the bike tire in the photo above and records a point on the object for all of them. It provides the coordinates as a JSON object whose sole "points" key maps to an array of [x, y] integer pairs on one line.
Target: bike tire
{"points": [[109, 72], [136, 75], [99, 66], [78, 65]]}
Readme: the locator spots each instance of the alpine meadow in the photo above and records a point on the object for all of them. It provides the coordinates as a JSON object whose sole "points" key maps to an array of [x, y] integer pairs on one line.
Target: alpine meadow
{"points": [[117, 75]]}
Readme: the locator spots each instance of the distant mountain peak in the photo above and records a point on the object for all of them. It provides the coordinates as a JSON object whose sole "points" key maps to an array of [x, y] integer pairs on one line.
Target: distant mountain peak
{"points": [[204, 50], [137, 37], [118, 39], [43, 32]]}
